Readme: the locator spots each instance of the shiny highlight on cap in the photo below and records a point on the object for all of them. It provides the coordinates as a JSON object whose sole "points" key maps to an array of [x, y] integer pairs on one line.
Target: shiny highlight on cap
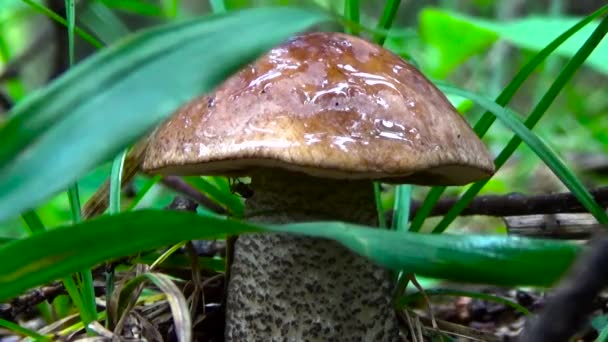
{"points": [[329, 105]]}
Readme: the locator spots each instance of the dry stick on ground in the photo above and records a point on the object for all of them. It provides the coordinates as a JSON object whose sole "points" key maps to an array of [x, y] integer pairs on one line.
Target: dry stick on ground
{"points": [[555, 226], [515, 204], [567, 310]]}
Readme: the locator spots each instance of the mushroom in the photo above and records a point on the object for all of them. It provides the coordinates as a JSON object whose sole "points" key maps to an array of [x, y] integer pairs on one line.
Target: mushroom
{"points": [[313, 122]]}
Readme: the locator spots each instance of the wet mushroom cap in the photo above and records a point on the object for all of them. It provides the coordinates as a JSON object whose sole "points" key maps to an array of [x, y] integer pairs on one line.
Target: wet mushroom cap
{"points": [[329, 105]]}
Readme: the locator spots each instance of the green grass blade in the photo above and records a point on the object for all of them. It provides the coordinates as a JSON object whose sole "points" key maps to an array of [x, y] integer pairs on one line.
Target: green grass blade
{"points": [[403, 301], [74, 199], [401, 209], [23, 331], [115, 182], [71, 19], [427, 206], [138, 7], [84, 288], [87, 104], [84, 35], [225, 198], [379, 208], [217, 6], [522, 131], [351, 14], [487, 119], [33, 222], [35, 225], [386, 20], [487, 259], [401, 215], [144, 190]]}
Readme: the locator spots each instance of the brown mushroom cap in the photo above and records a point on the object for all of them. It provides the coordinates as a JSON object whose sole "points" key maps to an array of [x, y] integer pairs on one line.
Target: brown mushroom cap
{"points": [[329, 105]]}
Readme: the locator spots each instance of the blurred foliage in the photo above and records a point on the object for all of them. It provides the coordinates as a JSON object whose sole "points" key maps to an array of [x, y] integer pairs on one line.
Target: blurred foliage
{"points": [[478, 45]]}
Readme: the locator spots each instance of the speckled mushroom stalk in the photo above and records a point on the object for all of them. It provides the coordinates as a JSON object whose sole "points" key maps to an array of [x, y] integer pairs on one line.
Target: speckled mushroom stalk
{"points": [[295, 288], [313, 122]]}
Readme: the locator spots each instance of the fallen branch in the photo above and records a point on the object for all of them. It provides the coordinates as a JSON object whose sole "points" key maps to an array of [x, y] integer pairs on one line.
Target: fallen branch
{"points": [[515, 204], [554, 226]]}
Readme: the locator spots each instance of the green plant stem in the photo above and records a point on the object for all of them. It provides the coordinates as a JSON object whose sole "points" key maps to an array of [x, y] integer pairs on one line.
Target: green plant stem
{"points": [[401, 214], [487, 119], [116, 181], [71, 21], [84, 285], [386, 20], [84, 35], [144, 190], [379, 208], [32, 222], [217, 6], [603, 336], [23, 331], [351, 13]]}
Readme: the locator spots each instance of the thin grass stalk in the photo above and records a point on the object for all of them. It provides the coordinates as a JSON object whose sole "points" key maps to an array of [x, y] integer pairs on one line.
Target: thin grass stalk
{"points": [[144, 190], [351, 13], [217, 6], [115, 181], [386, 20], [56, 17], [86, 290], [379, 208]]}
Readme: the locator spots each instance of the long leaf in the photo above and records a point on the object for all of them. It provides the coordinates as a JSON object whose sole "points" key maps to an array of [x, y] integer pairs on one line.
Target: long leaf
{"points": [[487, 259], [108, 101]]}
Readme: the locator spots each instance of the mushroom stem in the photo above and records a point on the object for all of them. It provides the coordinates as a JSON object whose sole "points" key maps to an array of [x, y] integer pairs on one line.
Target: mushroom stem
{"points": [[286, 287]]}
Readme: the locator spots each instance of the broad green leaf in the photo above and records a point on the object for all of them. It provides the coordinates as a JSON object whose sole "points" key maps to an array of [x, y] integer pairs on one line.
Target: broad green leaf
{"points": [[58, 18], [536, 32], [217, 6], [487, 259], [497, 260], [451, 40], [108, 101]]}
